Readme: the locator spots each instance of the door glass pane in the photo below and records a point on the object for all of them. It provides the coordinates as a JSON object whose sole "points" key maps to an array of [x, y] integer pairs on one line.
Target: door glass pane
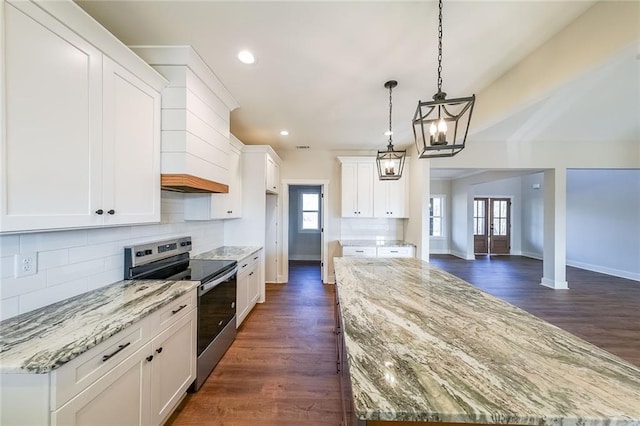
{"points": [[478, 217]]}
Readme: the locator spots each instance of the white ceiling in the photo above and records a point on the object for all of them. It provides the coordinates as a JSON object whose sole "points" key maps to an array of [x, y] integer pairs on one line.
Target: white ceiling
{"points": [[321, 66]]}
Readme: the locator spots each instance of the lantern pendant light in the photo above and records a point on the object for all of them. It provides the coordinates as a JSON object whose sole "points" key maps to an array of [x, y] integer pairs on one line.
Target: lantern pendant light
{"points": [[440, 126], [391, 161]]}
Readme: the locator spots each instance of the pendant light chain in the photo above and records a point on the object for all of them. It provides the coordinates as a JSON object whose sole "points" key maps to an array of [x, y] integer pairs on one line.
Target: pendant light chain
{"points": [[390, 107], [440, 47]]}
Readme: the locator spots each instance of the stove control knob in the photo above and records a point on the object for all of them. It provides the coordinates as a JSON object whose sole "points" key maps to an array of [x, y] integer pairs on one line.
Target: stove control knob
{"points": [[148, 252], [139, 254]]}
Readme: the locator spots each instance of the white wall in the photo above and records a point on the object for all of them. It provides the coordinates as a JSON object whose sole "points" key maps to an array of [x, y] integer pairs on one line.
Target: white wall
{"points": [[532, 235], [73, 262], [440, 245], [303, 245], [603, 221]]}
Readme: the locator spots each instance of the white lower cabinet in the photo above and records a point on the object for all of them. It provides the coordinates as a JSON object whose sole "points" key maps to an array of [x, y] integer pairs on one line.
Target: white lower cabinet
{"points": [[249, 283], [136, 377], [388, 251]]}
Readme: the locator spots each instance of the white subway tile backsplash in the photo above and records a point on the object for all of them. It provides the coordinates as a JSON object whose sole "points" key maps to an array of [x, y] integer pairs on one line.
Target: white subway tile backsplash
{"points": [[9, 245], [69, 272], [96, 251], [103, 235], [16, 286], [104, 278], [9, 307], [49, 295], [371, 229], [52, 258], [73, 262], [52, 240], [7, 266]]}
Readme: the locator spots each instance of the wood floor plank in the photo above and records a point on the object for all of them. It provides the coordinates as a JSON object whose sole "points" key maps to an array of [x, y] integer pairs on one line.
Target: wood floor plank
{"points": [[280, 370]]}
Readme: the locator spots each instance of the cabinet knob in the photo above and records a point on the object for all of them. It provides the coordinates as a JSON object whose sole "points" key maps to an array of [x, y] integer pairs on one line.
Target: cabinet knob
{"points": [[112, 211], [233, 304], [150, 358], [99, 211], [159, 350]]}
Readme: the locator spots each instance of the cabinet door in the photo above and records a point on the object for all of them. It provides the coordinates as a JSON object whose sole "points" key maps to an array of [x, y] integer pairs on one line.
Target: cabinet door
{"points": [[349, 190], [254, 286], [397, 198], [173, 367], [118, 398], [242, 296], [131, 148], [273, 176], [229, 206], [366, 174], [380, 198], [51, 168]]}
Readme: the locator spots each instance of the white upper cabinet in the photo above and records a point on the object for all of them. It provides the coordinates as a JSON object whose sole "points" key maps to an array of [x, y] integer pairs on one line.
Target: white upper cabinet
{"points": [[273, 175], [357, 186], [391, 196], [82, 132]]}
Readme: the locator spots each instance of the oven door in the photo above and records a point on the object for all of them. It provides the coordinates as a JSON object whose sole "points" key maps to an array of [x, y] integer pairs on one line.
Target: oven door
{"points": [[216, 307]]}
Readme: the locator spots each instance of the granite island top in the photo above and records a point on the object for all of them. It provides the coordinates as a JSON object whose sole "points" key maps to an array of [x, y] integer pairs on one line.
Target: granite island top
{"points": [[423, 345], [375, 243], [44, 339], [236, 253]]}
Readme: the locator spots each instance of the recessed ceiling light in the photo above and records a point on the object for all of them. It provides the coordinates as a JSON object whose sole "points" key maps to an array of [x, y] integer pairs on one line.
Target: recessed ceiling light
{"points": [[246, 57], [284, 132]]}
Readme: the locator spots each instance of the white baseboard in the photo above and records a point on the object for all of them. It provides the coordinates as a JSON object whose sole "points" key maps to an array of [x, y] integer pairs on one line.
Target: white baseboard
{"points": [[440, 251], [556, 285], [604, 270], [532, 255], [462, 255], [312, 257]]}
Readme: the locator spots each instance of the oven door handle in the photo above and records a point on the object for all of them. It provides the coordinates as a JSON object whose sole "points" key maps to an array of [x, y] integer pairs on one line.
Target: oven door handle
{"points": [[204, 288]]}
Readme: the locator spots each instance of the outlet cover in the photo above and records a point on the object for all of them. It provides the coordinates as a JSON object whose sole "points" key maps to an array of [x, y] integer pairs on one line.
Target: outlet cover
{"points": [[26, 264]]}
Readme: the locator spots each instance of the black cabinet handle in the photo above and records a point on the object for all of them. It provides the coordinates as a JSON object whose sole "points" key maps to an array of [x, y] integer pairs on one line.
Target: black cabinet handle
{"points": [[175, 311], [159, 350], [99, 211], [120, 347], [245, 265], [250, 273], [229, 211], [150, 358], [256, 258], [112, 211]]}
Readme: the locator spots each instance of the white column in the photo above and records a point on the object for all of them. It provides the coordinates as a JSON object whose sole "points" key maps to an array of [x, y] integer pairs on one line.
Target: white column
{"points": [[554, 258], [425, 193]]}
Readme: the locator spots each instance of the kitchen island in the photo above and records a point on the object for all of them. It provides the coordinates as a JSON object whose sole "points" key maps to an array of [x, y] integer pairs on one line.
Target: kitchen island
{"points": [[420, 345]]}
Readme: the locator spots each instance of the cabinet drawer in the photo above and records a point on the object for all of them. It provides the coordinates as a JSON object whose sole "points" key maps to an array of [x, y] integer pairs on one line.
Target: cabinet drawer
{"points": [[73, 377], [359, 251], [246, 265], [177, 309], [395, 251]]}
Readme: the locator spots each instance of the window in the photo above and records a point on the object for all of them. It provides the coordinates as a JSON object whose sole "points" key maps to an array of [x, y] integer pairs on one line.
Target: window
{"points": [[310, 212], [436, 216]]}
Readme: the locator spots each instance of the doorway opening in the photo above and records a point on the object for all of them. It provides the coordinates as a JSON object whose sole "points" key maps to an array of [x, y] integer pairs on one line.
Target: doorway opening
{"points": [[491, 226], [304, 227]]}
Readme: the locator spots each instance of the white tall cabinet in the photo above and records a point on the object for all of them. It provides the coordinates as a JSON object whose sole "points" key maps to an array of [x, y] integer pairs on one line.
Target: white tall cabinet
{"points": [[81, 120]]}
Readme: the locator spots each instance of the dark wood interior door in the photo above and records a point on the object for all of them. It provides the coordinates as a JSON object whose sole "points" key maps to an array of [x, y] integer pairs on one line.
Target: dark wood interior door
{"points": [[480, 226], [500, 229]]}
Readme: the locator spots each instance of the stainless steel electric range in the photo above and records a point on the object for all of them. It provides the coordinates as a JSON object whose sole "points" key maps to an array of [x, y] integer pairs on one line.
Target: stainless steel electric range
{"points": [[169, 260]]}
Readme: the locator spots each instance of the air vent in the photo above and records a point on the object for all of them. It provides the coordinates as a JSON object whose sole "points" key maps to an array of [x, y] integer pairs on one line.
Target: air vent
{"points": [[302, 147]]}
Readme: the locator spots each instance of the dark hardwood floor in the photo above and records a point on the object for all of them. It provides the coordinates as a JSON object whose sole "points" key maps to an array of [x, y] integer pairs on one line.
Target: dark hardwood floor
{"points": [[281, 368]]}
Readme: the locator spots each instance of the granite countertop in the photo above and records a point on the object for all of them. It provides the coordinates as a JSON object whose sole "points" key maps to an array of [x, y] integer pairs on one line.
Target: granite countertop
{"points": [[236, 253], [44, 339], [375, 243], [423, 345]]}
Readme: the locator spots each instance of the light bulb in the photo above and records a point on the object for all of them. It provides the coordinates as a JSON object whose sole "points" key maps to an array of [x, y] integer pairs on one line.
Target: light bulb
{"points": [[433, 129], [442, 126]]}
